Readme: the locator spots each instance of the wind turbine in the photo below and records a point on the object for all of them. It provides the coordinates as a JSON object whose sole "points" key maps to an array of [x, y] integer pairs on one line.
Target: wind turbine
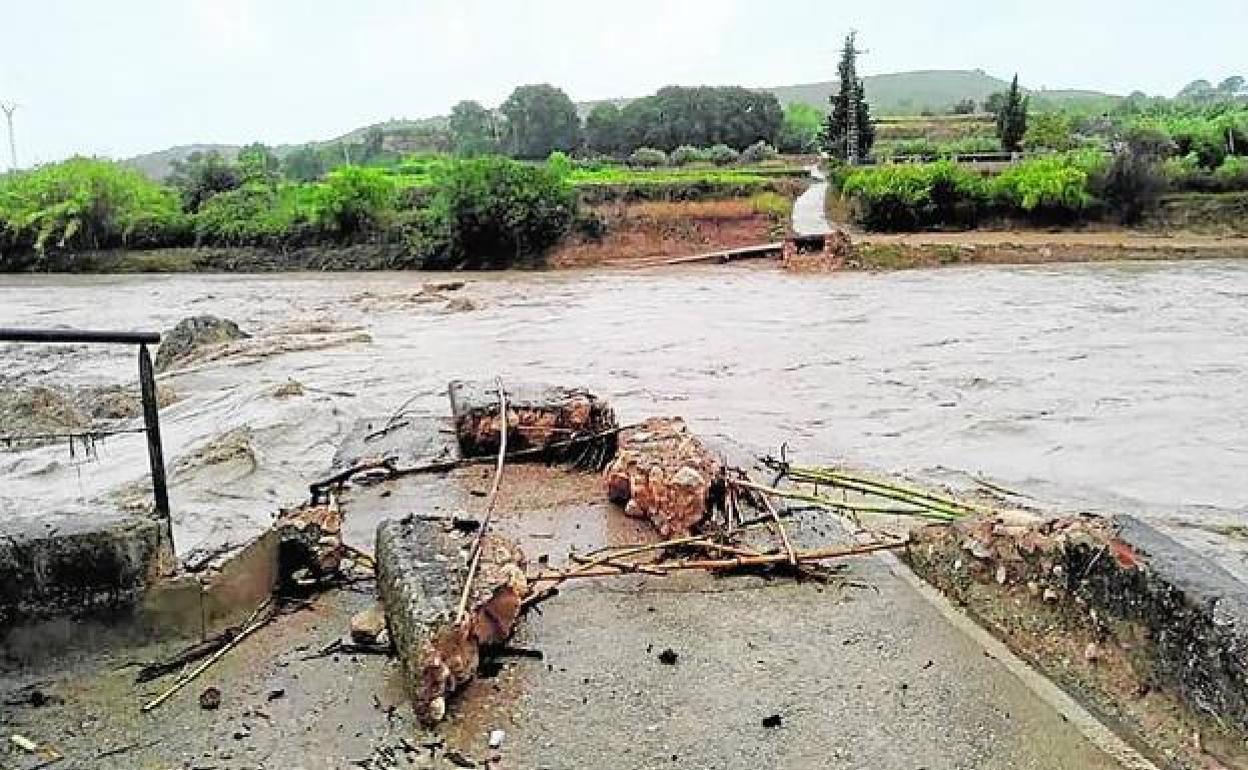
{"points": [[9, 108]]}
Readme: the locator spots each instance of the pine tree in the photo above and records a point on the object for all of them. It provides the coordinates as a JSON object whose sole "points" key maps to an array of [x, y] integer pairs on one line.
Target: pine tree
{"points": [[1012, 118], [850, 97]]}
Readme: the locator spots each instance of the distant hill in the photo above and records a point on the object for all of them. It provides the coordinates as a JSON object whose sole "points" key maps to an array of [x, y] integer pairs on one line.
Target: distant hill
{"points": [[901, 93]]}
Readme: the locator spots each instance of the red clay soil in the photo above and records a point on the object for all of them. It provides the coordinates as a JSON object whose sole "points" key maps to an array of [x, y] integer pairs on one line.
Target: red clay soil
{"points": [[637, 231]]}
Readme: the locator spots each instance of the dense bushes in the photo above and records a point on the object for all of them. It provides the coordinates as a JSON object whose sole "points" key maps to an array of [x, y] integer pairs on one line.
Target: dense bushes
{"points": [[923, 195], [491, 212], [484, 211], [758, 152], [686, 154], [84, 203], [647, 157], [914, 196]]}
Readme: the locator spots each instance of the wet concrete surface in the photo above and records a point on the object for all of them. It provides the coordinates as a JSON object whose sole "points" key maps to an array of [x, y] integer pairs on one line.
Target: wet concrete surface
{"points": [[860, 673]]}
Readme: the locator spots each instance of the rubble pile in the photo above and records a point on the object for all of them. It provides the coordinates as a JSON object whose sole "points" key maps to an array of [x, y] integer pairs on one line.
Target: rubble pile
{"points": [[817, 254], [538, 416], [662, 472]]}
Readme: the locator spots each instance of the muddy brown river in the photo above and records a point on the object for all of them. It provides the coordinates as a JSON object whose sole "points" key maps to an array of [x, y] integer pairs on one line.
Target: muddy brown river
{"points": [[1101, 387]]}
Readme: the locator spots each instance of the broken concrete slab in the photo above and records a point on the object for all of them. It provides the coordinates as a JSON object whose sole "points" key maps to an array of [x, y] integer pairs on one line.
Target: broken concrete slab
{"points": [[406, 440], [422, 567], [1133, 621], [537, 415], [662, 472], [78, 565]]}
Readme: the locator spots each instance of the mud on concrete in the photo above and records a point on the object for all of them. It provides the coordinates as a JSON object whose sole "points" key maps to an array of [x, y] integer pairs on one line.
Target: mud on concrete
{"points": [[1148, 633]]}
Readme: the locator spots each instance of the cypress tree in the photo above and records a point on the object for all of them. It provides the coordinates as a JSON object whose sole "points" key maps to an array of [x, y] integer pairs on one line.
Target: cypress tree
{"points": [[1012, 118], [851, 96]]}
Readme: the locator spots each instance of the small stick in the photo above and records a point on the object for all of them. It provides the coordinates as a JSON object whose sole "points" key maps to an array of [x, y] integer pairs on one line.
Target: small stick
{"points": [[475, 558], [784, 535], [254, 623]]}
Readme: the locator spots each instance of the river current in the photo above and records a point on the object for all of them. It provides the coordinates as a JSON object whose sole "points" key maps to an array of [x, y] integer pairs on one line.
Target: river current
{"points": [[1100, 387]]}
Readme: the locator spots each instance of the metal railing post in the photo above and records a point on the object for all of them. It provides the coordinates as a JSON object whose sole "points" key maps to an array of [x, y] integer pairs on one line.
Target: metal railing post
{"points": [[151, 419]]}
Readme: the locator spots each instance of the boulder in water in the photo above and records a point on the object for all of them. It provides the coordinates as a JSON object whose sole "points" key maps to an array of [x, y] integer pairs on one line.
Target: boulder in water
{"points": [[192, 336]]}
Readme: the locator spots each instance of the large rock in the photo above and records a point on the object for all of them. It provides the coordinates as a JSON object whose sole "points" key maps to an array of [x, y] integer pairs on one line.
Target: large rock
{"points": [[537, 415], [663, 472], [421, 569], [186, 341]]}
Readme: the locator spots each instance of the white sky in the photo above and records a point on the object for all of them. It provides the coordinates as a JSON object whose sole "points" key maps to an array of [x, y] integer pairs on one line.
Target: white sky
{"points": [[121, 77]]}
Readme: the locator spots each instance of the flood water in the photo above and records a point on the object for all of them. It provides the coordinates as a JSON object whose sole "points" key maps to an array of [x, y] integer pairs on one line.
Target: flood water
{"points": [[1090, 387]]}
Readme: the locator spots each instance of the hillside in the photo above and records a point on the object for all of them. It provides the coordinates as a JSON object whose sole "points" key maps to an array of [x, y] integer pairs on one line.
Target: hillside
{"points": [[901, 93]]}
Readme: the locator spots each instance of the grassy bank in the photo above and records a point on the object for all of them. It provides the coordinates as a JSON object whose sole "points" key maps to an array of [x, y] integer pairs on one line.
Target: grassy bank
{"points": [[426, 212]]}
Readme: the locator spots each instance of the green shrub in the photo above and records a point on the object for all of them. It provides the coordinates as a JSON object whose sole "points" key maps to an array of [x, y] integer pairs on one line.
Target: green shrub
{"points": [[647, 157], [772, 204], [1047, 186], [686, 154], [87, 203], [1232, 175], [758, 152], [722, 155], [559, 164], [492, 212], [914, 196]]}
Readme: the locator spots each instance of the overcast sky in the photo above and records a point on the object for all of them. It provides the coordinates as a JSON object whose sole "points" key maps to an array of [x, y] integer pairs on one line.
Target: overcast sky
{"points": [[120, 77]]}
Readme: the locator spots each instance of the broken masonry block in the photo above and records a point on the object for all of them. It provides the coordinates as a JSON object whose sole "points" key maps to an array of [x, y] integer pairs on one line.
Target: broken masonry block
{"points": [[537, 415], [421, 569], [310, 538], [663, 472]]}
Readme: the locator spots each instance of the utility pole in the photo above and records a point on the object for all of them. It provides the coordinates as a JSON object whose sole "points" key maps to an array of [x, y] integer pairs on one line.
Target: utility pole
{"points": [[851, 112], [10, 108]]}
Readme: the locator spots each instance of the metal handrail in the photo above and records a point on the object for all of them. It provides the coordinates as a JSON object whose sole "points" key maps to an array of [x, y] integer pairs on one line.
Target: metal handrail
{"points": [[147, 389]]}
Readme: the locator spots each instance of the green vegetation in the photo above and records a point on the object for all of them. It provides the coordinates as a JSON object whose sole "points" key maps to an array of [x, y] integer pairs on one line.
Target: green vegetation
{"points": [[944, 194], [799, 132], [85, 203], [442, 211], [540, 119], [1012, 118], [473, 129], [699, 117], [849, 132], [492, 212]]}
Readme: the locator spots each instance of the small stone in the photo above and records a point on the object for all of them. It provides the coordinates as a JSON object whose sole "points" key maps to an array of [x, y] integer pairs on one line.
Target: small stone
{"points": [[1033, 588], [496, 738], [773, 721], [368, 625], [210, 699], [1050, 595], [1091, 653], [668, 657], [1001, 574]]}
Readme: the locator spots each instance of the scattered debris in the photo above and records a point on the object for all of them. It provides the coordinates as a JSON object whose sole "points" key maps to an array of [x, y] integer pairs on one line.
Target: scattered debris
{"points": [[663, 472], [459, 759], [259, 618], [367, 626]]}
